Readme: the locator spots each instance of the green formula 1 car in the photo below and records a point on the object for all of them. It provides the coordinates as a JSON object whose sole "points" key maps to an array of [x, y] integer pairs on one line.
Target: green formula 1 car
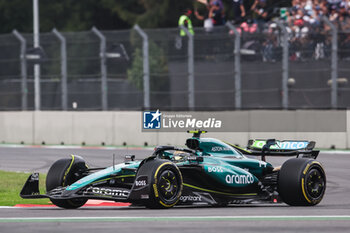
{"points": [[208, 171]]}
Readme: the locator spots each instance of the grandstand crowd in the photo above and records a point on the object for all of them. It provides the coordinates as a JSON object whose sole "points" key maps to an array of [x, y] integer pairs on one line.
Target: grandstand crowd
{"points": [[309, 34]]}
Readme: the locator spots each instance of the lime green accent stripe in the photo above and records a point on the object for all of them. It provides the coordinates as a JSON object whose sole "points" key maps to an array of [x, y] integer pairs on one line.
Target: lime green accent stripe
{"points": [[123, 176], [212, 191], [67, 171], [197, 131], [175, 218]]}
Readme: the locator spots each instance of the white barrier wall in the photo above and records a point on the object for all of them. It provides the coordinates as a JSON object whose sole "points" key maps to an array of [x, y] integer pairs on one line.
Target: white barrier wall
{"points": [[117, 128], [17, 127]]}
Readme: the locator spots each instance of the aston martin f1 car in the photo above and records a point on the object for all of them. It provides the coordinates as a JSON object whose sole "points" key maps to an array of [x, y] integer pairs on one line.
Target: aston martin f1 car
{"points": [[208, 171]]}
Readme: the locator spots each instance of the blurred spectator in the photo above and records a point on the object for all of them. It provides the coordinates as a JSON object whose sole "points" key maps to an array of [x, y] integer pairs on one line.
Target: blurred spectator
{"points": [[333, 4], [308, 8], [247, 27], [270, 44], [333, 16], [216, 12], [207, 22], [262, 12], [238, 11], [219, 4], [318, 14], [185, 21], [214, 16], [343, 10], [343, 20], [297, 22]]}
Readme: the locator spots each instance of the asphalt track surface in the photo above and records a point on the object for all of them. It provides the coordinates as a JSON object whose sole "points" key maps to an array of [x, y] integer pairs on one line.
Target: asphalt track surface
{"points": [[331, 215]]}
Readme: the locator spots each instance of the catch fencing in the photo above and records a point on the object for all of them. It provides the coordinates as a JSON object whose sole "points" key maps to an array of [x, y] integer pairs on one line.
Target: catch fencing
{"points": [[226, 68]]}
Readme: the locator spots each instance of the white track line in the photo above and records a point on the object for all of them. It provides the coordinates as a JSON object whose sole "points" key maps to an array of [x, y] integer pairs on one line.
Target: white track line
{"points": [[180, 218]]}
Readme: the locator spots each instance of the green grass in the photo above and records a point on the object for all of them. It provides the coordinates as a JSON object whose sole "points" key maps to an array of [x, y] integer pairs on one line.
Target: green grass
{"points": [[11, 184]]}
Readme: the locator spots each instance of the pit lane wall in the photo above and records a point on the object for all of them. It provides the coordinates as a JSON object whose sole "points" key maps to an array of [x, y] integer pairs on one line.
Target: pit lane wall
{"points": [[124, 127]]}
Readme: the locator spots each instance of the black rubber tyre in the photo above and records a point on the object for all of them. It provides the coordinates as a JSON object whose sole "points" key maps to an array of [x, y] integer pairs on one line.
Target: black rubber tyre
{"points": [[302, 182], [166, 184], [63, 173]]}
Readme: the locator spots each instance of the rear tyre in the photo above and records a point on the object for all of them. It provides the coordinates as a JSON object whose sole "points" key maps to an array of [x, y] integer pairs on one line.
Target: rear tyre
{"points": [[302, 182], [62, 173], [166, 184]]}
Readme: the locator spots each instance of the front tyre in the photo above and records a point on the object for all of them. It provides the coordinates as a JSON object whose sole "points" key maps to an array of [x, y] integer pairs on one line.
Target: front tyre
{"points": [[62, 173], [166, 184], [302, 182]]}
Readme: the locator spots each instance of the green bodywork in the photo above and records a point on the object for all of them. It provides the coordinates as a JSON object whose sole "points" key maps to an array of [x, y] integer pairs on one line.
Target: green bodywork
{"points": [[221, 161], [227, 165], [115, 171]]}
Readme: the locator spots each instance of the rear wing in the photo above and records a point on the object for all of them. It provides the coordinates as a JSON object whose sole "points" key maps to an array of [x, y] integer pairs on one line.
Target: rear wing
{"points": [[273, 147], [281, 146]]}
